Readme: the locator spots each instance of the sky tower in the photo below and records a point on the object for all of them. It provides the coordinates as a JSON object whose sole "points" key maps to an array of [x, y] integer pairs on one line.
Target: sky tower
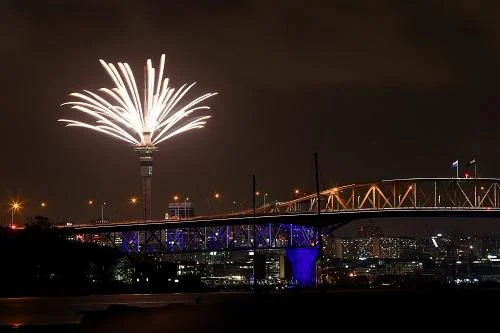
{"points": [[146, 164], [120, 113]]}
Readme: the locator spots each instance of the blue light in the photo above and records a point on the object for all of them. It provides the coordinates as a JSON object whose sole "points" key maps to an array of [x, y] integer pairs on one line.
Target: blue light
{"points": [[130, 241], [303, 262]]}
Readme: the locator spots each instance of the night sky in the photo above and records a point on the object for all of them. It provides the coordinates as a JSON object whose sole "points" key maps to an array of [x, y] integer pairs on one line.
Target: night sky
{"points": [[380, 90]]}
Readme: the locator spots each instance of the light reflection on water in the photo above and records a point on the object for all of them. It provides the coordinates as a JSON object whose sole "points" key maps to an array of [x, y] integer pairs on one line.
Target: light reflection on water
{"points": [[16, 312]]}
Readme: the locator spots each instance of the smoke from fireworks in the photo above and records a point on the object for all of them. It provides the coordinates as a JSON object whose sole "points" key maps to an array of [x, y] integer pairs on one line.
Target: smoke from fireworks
{"points": [[119, 112]]}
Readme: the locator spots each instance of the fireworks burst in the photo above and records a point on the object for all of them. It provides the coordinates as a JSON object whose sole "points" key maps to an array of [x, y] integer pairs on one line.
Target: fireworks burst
{"points": [[119, 112]]}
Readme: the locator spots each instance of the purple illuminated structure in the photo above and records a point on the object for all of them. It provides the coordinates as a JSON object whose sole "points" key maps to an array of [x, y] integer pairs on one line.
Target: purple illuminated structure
{"points": [[303, 262]]}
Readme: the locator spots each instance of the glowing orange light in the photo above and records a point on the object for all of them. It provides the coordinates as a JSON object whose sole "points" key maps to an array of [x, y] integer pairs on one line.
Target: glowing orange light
{"points": [[217, 196], [15, 205], [176, 197], [90, 202], [43, 204], [133, 200]]}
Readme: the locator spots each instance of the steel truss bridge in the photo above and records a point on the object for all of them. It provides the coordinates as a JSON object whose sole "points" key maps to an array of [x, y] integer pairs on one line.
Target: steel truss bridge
{"points": [[297, 223]]}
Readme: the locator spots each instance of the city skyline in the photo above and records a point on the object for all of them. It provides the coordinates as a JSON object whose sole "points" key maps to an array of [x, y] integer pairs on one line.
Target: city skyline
{"points": [[348, 158], [367, 117]]}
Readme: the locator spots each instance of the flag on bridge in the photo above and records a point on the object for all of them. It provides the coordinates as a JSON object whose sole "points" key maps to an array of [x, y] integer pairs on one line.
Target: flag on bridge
{"points": [[471, 162], [455, 165], [474, 164]]}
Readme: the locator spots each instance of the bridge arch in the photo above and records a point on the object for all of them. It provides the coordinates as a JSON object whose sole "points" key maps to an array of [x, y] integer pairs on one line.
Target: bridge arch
{"points": [[407, 193]]}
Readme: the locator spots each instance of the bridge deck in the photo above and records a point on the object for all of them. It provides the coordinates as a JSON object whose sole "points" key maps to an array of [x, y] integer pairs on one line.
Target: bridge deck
{"points": [[326, 218]]}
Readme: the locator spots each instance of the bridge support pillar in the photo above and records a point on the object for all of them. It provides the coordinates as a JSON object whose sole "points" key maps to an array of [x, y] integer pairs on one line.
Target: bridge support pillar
{"points": [[303, 262]]}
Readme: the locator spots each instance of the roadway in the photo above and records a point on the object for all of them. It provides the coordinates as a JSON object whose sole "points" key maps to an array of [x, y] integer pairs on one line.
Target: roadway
{"points": [[326, 218]]}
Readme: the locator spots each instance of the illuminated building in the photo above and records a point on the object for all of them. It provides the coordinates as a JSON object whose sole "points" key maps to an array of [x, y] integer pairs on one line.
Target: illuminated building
{"points": [[389, 247]]}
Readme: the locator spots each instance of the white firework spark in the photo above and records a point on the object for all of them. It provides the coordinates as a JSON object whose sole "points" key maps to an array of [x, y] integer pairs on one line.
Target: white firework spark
{"points": [[118, 111]]}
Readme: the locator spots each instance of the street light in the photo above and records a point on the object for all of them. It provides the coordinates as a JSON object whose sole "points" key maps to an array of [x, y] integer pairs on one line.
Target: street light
{"points": [[15, 206], [92, 202], [133, 201], [102, 212], [297, 192], [185, 207], [176, 199], [265, 195], [43, 204], [232, 207], [216, 196]]}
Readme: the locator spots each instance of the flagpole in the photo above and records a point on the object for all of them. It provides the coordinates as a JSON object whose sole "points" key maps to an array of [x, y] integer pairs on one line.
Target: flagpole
{"points": [[475, 184]]}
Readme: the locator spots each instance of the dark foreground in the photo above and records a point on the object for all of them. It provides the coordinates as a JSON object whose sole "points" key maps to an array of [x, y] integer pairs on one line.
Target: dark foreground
{"points": [[309, 311]]}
